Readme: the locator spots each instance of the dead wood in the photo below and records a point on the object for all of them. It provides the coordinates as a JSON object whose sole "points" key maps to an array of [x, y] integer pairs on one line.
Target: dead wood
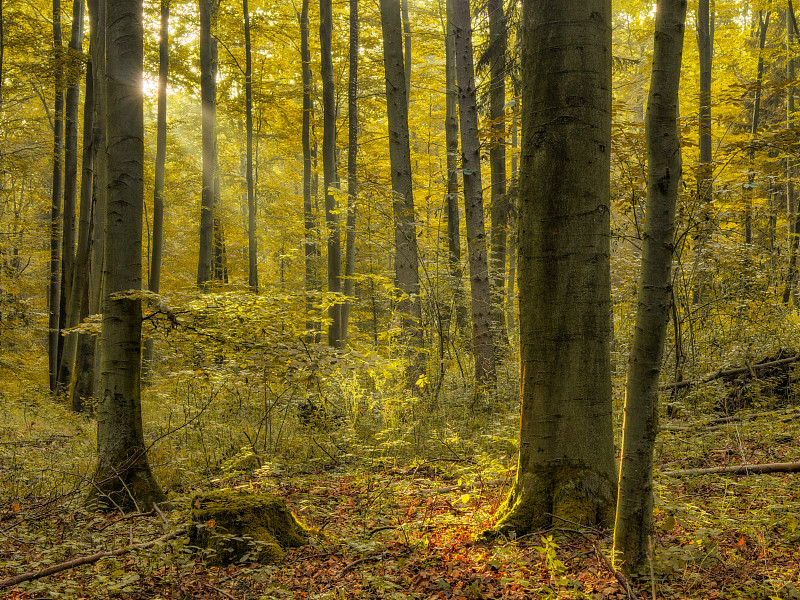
{"points": [[793, 467], [728, 372], [85, 560]]}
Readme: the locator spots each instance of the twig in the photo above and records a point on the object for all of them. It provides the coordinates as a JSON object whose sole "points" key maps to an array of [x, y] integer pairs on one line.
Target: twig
{"points": [[219, 591], [619, 576], [124, 518], [86, 560], [355, 563], [384, 528]]}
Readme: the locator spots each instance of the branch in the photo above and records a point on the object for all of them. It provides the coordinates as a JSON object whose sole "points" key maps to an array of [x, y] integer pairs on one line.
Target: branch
{"points": [[793, 467], [85, 560], [718, 374]]}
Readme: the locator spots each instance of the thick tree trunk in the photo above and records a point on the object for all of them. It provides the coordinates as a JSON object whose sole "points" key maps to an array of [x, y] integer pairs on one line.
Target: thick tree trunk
{"points": [[405, 236], [310, 247], [154, 282], [78, 305], [566, 459], [252, 248], [68, 312], [54, 286], [633, 528], [498, 33], [208, 100], [407, 55], [482, 341], [123, 477], [352, 171], [330, 178]]}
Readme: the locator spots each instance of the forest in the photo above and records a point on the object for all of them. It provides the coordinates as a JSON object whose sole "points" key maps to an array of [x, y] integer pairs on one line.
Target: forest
{"points": [[399, 299]]}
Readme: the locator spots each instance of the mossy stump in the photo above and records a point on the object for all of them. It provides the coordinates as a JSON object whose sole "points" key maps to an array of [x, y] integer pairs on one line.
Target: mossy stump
{"points": [[236, 526]]}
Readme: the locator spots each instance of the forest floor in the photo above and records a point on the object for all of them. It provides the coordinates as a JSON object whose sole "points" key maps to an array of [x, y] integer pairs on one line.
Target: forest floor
{"points": [[388, 530]]}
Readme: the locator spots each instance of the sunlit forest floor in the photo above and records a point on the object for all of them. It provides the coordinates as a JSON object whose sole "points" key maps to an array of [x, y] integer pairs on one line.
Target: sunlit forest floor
{"points": [[391, 525]]}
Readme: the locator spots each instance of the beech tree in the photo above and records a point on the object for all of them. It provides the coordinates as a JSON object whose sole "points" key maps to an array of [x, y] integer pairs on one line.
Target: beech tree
{"points": [[633, 529], [123, 477], [566, 465]]}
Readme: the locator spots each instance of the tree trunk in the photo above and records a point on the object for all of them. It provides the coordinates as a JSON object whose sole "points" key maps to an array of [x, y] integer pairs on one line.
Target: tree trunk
{"points": [[154, 282], [451, 140], [330, 178], [78, 305], [633, 530], [54, 288], [483, 344], [512, 203], [405, 235], [208, 100], [68, 312], [790, 289], [754, 124], [310, 246], [252, 248], [407, 56], [352, 170], [566, 460], [123, 477], [705, 49], [498, 32], [86, 374]]}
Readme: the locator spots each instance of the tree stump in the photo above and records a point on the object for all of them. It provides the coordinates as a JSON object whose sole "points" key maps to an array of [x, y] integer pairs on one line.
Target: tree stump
{"points": [[238, 527]]}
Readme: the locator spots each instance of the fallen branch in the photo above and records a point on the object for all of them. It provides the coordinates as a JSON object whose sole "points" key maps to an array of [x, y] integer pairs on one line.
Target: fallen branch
{"points": [[716, 375], [85, 560], [617, 575], [793, 467]]}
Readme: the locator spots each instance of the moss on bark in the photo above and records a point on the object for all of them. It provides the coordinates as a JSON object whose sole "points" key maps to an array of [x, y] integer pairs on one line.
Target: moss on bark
{"points": [[237, 526]]}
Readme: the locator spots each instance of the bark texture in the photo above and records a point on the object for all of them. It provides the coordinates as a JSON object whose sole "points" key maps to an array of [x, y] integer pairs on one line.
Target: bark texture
{"points": [[54, 285], [123, 477], [633, 528], [352, 170], [252, 247], [482, 339], [566, 460]]}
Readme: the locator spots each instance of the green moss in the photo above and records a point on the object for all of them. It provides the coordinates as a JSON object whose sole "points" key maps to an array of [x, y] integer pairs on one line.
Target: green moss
{"points": [[237, 526], [563, 493]]}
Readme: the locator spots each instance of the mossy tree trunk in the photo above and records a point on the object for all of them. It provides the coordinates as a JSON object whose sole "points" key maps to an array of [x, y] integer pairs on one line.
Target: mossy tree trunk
{"points": [[123, 478], [566, 471], [634, 523]]}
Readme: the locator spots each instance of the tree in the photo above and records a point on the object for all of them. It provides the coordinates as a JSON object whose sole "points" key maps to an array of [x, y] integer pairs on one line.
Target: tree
{"points": [[123, 477], [405, 234], [565, 472], [330, 177], [790, 289], [352, 170], [482, 342], [252, 248], [208, 100], [633, 529]]}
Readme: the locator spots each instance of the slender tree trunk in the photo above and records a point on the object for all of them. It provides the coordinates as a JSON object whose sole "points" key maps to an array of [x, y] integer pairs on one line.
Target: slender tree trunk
{"points": [[405, 235], [69, 312], [512, 240], [566, 471], [54, 289], [252, 248], [2, 51], [498, 32], [123, 477], [330, 178], [208, 100], [352, 170], [154, 282], [78, 305], [790, 289], [754, 124], [483, 344], [85, 380], [633, 530], [451, 140], [310, 246], [407, 55]]}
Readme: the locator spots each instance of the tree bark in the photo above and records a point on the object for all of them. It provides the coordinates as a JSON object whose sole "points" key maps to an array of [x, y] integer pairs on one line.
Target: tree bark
{"points": [[633, 528], [54, 287], [330, 178], [763, 25], [498, 33], [352, 171], [405, 235], [566, 465], [123, 477], [208, 100], [790, 290], [407, 55], [482, 341], [252, 248]]}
